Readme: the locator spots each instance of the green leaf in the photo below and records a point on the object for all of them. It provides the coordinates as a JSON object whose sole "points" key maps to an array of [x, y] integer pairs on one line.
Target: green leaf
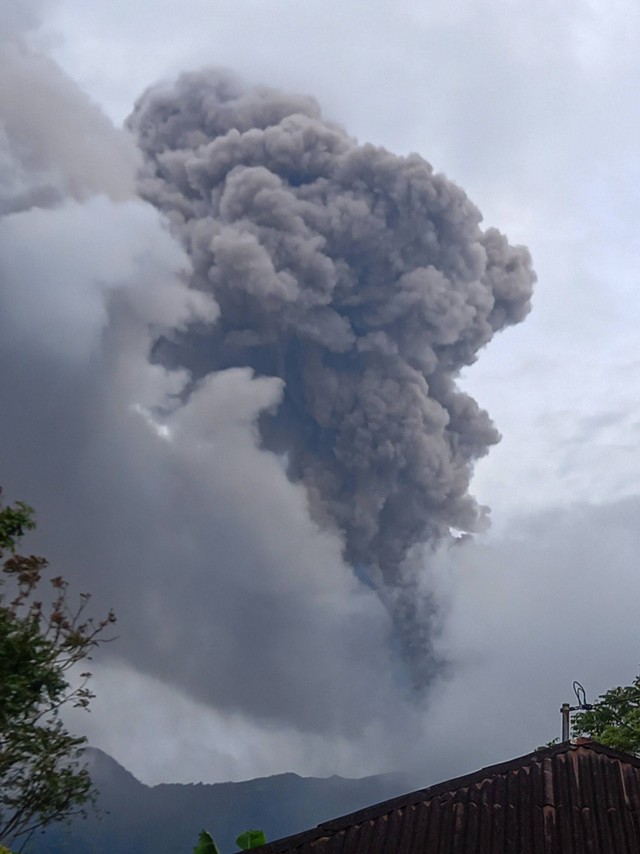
{"points": [[614, 719], [206, 845], [251, 839]]}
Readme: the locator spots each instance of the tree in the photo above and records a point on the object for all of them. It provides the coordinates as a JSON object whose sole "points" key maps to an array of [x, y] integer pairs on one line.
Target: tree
{"points": [[614, 719], [43, 641]]}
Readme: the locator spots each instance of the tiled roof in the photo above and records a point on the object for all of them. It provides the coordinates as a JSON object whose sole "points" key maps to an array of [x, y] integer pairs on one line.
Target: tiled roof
{"points": [[568, 799]]}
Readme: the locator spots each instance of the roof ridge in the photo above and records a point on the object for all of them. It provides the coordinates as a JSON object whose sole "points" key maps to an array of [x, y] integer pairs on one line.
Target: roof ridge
{"points": [[468, 779], [402, 802], [459, 782]]}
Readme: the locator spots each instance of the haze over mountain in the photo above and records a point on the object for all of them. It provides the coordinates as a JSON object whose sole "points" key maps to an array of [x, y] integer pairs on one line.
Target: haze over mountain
{"points": [[165, 819]]}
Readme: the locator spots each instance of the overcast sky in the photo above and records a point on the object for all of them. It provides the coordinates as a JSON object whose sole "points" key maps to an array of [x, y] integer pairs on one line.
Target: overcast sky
{"points": [[247, 646]]}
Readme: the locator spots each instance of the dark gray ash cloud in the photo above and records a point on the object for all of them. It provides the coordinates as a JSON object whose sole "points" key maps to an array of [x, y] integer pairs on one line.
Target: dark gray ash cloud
{"points": [[364, 282], [178, 527]]}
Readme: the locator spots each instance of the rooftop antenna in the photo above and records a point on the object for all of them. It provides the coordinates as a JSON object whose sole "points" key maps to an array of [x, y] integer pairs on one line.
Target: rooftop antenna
{"points": [[566, 709]]}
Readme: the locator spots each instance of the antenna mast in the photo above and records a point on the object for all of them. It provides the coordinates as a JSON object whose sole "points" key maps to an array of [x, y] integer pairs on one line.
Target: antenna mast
{"points": [[566, 709]]}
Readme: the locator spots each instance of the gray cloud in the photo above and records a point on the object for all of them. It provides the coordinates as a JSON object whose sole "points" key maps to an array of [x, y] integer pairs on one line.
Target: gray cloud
{"points": [[363, 281], [54, 141], [16, 19], [153, 485], [520, 127], [551, 600], [223, 585]]}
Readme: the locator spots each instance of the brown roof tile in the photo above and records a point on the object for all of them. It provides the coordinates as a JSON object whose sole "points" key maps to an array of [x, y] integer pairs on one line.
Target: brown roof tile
{"points": [[568, 799]]}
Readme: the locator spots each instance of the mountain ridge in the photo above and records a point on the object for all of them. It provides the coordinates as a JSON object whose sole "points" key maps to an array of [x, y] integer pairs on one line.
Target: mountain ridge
{"points": [[135, 818]]}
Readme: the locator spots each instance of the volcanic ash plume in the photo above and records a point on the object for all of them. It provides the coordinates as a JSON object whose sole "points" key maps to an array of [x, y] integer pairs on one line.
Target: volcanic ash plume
{"points": [[360, 278]]}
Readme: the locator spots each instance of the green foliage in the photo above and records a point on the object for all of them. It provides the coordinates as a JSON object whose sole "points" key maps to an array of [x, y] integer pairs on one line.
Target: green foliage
{"points": [[251, 839], [248, 839], [42, 637], [614, 719], [14, 522], [206, 845]]}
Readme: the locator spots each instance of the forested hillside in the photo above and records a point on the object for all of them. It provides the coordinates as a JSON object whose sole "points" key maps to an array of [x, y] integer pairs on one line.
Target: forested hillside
{"points": [[166, 819]]}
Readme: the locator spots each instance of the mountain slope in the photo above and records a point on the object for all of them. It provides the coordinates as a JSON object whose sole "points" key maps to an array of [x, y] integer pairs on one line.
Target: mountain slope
{"points": [[166, 819]]}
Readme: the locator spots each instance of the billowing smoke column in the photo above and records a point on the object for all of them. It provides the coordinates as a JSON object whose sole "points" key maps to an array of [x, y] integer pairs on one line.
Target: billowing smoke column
{"points": [[360, 278]]}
